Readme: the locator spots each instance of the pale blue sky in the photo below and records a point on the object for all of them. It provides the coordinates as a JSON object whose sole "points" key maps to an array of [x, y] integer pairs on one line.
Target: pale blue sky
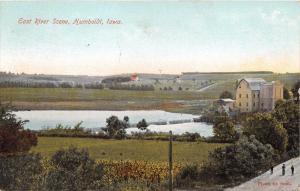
{"points": [[170, 36]]}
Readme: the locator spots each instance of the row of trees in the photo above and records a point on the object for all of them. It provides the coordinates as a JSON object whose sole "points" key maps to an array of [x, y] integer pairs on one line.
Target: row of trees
{"points": [[114, 80], [131, 87], [94, 85], [48, 84]]}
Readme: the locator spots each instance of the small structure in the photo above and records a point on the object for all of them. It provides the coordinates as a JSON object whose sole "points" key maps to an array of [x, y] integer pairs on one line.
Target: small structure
{"points": [[227, 105], [134, 77]]}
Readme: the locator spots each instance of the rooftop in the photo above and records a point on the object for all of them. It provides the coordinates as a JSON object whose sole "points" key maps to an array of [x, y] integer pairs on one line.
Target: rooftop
{"points": [[254, 83]]}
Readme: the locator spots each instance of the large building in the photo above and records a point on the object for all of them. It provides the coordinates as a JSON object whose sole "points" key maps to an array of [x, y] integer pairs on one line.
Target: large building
{"points": [[255, 94]]}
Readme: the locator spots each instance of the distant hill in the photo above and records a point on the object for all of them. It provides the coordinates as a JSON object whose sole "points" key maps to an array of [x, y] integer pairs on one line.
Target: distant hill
{"points": [[242, 72]]}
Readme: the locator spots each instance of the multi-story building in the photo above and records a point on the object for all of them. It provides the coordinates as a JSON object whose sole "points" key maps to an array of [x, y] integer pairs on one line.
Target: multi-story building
{"points": [[255, 94]]}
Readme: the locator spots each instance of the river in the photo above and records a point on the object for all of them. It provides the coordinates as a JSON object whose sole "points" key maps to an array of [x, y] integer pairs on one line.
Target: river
{"points": [[39, 119]]}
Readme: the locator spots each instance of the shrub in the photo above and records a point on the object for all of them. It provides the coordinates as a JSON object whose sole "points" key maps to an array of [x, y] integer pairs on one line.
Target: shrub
{"points": [[224, 129], [115, 128], [267, 129], [288, 114], [187, 175], [226, 94], [234, 163], [73, 169], [142, 125], [20, 172], [13, 137]]}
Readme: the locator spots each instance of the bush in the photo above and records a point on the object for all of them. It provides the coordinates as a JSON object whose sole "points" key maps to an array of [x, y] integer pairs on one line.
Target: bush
{"points": [[13, 137], [60, 130], [20, 172], [226, 94], [115, 128], [237, 162], [288, 114], [142, 125], [286, 94], [73, 169], [187, 175], [224, 129], [267, 130], [295, 89]]}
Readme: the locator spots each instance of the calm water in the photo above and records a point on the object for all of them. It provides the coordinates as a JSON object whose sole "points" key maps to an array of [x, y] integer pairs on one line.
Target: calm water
{"points": [[94, 119]]}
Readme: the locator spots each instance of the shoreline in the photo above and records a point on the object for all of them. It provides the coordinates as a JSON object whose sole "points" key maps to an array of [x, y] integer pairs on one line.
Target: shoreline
{"points": [[170, 106]]}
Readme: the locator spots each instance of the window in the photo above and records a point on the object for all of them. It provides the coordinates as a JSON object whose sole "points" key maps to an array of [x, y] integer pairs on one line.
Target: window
{"points": [[254, 95], [240, 95], [247, 96], [247, 104], [240, 104], [239, 86], [258, 95], [254, 104]]}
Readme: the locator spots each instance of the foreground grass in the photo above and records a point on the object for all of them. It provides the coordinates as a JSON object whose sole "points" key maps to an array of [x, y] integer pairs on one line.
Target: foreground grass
{"points": [[183, 152]]}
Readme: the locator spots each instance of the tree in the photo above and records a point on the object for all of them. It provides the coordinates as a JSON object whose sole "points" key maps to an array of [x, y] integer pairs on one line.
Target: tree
{"points": [[226, 94], [238, 161], [126, 119], [295, 89], [13, 137], [288, 114], [286, 94], [224, 129], [267, 130], [142, 125], [73, 169], [115, 127]]}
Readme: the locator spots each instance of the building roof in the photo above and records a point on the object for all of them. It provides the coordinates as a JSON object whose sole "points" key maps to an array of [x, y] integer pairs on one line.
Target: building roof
{"points": [[227, 100], [254, 83]]}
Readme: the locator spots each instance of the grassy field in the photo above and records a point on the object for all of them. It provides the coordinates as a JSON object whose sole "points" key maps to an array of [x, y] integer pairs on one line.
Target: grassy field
{"points": [[129, 149], [93, 99], [76, 94]]}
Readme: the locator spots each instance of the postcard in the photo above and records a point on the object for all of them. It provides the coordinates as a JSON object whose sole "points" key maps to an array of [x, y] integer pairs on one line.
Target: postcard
{"points": [[150, 95]]}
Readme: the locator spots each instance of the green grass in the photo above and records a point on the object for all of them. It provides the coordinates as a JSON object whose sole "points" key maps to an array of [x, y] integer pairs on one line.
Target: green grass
{"points": [[184, 152], [75, 94], [92, 99]]}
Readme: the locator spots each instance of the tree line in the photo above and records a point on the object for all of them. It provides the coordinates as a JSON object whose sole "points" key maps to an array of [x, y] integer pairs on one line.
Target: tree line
{"points": [[91, 85]]}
